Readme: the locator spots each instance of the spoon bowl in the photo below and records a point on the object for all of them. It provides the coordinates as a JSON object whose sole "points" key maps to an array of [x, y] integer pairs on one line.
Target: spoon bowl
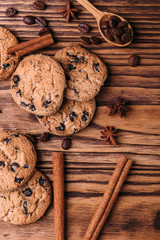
{"points": [[102, 17]]}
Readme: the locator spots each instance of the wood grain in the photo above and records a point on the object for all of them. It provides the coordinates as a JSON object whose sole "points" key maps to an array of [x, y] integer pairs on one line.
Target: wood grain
{"points": [[89, 164]]}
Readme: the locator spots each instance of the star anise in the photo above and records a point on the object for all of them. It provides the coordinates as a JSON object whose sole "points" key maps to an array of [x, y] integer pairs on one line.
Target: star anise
{"points": [[120, 107], [68, 12], [109, 135]]}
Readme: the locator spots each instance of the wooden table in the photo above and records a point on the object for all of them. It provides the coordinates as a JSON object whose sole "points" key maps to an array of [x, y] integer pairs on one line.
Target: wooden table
{"points": [[90, 162]]}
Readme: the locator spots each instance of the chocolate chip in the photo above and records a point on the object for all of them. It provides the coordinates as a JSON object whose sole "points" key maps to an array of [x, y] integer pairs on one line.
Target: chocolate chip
{"points": [[30, 137], [83, 27], [133, 60], [2, 164], [15, 135], [41, 181], [95, 40], [108, 34], [40, 117], [126, 37], [29, 20], [18, 180], [84, 116], [85, 40], [41, 21], [104, 25], [61, 127], [10, 12], [96, 67], [39, 5], [26, 167], [16, 79], [18, 93], [12, 165], [113, 21], [66, 143], [6, 65], [32, 107], [122, 24], [71, 116], [44, 137], [7, 140], [71, 67], [23, 104], [25, 207], [46, 103], [44, 31], [117, 31], [27, 192]]}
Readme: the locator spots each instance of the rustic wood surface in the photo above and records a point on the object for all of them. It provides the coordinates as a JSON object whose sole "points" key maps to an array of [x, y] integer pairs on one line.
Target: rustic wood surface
{"points": [[90, 162]]}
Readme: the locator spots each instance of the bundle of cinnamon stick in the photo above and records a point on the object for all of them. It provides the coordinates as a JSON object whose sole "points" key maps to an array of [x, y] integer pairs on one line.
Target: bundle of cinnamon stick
{"points": [[31, 46], [113, 188]]}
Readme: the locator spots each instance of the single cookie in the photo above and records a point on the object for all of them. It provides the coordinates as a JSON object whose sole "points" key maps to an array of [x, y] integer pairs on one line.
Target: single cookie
{"points": [[72, 117], [28, 203], [17, 160], [38, 84], [8, 63], [85, 70]]}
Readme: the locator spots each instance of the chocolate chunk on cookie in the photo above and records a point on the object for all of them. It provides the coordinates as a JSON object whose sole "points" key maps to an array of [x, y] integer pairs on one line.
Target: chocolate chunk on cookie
{"points": [[72, 117], [8, 62], [86, 72], [16, 152], [28, 203], [39, 82]]}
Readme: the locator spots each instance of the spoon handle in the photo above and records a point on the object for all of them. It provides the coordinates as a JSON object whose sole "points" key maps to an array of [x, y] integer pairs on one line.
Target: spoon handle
{"points": [[94, 11]]}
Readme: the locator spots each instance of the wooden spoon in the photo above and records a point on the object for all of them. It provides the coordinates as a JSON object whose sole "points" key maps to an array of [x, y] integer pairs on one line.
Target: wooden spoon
{"points": [[104, 16]]}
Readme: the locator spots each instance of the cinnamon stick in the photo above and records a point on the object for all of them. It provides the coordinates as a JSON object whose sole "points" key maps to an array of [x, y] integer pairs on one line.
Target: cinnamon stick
{"points": [[113, 199], [58, 186], [30, 46], [107, 201]]}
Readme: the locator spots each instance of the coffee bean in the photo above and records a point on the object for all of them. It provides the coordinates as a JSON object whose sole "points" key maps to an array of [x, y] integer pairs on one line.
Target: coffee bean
{"points": [[83, 27], [39, 5], [85, 40], [122, 24], [41, 181], [117, 31], [126, 37], [30, 137], [44, 31], [108, 34], [27, 192], [44, 137], [133, 60], [10, 12], [41, 21], [29, 20], [66, 143], [95, 40], [113, 21], [104, 25], [118, 40]]}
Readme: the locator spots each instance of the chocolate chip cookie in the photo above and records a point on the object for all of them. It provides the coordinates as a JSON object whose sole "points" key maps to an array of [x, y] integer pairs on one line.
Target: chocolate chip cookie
{"points": [[17, 160], [28, 203], [72, 117], [86, 72], [8, 63], [38, 84]]}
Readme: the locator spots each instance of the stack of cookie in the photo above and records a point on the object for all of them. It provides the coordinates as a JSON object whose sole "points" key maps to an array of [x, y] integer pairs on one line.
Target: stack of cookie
{"points": [[25, 193], [60, 90]]}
